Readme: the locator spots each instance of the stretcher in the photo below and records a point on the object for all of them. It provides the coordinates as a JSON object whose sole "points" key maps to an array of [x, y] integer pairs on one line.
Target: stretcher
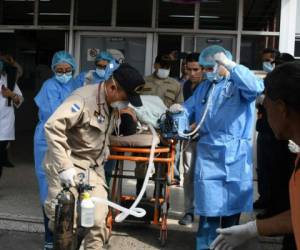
{"points": [[137, 148]]}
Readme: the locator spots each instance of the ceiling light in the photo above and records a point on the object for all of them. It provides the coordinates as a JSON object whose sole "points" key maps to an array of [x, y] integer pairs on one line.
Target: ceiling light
{"points": [[192, 16], [26, 0], [49, 14], [209, 17]]}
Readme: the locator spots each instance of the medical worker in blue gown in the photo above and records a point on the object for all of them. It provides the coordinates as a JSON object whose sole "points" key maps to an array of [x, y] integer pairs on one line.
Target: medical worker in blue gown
{"points": [[223, 171], [53, 92], [105, 65]]}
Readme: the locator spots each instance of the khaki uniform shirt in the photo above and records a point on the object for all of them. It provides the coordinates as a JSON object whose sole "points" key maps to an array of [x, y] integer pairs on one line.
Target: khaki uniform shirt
{"points": [[75, 133], [169, 89]]}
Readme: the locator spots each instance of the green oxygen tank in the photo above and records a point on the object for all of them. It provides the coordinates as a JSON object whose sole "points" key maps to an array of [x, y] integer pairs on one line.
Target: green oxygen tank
{"points": [[64, 220]]}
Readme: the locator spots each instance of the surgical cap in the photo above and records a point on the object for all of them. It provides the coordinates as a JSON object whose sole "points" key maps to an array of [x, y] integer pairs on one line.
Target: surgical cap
{"points": [[206, 58], [62, 57], [104, 55]]}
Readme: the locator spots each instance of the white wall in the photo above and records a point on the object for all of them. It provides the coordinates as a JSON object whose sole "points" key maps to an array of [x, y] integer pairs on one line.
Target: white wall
{"points": [[288, 26], [298, 19]]}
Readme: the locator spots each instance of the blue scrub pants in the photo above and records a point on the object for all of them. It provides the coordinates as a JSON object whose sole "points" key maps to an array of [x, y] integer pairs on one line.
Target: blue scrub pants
{"points": [[40, 149], [48, 234], [207, 229]]}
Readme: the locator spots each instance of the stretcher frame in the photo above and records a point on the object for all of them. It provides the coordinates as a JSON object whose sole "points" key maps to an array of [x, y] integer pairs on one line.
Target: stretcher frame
{"points": [[165, 156]]}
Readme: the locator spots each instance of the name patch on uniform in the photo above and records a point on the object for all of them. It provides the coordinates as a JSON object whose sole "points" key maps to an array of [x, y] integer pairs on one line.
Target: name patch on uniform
{"points": [[75, 108]]}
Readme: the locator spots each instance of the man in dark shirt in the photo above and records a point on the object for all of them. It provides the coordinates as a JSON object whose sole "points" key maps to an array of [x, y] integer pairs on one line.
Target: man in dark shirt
{"points": [[275, 164], [194, 71]]}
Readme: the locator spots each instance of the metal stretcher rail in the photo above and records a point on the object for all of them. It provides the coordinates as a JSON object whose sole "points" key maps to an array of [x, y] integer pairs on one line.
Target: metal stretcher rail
{"points": [[162, 179]]}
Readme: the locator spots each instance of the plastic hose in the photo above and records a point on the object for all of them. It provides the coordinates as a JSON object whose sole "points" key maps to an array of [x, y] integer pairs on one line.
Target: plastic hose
{"points": [[203, 117], [134, 210]]}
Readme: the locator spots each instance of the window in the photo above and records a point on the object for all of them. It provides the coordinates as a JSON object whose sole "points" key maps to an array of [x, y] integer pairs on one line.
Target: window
{"points": [[218, 15], [262, 15], [199, 42], [16, 12], [54, 12], [127, 14], [130, 49], [251, 49], [93, 12], [172, 15]]}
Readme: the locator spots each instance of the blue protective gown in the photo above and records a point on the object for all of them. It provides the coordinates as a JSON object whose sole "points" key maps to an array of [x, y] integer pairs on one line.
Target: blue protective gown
{"points": [[81, 79], [223, 171], [50, 96]]}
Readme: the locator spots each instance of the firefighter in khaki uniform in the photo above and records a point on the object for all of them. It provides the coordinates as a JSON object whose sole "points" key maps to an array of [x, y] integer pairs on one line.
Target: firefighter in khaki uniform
{"points": [[77, 135], [169, 90], [160, 84]]}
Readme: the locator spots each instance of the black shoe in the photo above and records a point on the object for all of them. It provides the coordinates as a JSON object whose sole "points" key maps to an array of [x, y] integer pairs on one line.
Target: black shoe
{"points": [[186, 220], [8, 165], [175, 182], [259, 204]]}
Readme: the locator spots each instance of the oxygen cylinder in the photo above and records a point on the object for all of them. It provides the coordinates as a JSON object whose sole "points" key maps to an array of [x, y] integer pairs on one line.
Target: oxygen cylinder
{"points": [[64, 220]]}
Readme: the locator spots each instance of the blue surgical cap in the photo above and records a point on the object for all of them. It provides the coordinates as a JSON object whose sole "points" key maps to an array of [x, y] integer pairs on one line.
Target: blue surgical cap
{"points": [[206, 57], [104, 55], [63, 57]]}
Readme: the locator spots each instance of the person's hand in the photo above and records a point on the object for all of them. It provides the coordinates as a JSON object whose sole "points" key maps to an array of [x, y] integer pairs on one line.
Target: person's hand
{"points": [[234, 236], [67, 177], [293, 147], [6, 92], [175, 108], [222, 59]]}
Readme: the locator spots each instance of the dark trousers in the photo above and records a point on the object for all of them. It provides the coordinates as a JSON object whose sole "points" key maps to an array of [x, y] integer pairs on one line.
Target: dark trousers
{"points": [[3, 154]]}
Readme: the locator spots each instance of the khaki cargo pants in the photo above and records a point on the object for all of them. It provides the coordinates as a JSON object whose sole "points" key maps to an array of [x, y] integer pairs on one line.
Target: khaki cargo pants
{"points": [[98, 235]]}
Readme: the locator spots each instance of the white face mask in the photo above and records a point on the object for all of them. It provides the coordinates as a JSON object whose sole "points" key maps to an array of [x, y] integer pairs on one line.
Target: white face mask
{"points": [[163, 73], [268, 67], [119, 105]]}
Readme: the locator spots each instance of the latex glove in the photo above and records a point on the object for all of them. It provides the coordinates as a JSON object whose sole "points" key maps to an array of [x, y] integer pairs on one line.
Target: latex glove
{"points": [[222, 59], [232, 237], [175, 108], [293, 147], [260, 99], [67, 177]]}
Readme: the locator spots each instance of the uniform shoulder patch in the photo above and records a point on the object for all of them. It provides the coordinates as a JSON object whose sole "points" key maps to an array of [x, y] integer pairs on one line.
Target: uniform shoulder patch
{"points": [[75, 107]]}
